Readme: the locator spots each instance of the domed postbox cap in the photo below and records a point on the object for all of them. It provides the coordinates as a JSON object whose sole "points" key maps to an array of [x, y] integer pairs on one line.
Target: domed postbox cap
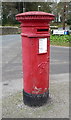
{"points": [[35, 15]]}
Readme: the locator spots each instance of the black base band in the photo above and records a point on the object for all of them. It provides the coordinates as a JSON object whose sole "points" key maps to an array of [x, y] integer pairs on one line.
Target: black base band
{"points": [[34, 99]]}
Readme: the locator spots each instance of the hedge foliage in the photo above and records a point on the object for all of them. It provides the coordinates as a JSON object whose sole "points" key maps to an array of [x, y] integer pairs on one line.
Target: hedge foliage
{"points": [[62, 40]]}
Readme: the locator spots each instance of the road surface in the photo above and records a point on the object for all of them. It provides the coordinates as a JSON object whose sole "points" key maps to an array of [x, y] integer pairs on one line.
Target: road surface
{"points": [[12, 58]]}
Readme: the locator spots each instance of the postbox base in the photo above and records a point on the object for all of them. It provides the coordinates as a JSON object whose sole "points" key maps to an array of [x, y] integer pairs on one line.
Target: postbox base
{"points": [[34, 99]]}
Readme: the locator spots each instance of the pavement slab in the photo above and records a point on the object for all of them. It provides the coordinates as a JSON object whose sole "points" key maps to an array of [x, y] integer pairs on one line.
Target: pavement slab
{"points": [[57, 105]]}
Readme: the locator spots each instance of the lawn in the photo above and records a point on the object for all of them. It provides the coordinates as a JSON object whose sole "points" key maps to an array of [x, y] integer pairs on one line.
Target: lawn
{"points": [[61, 40]]}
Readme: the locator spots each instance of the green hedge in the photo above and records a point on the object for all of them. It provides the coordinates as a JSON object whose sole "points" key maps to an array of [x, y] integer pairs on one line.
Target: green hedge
{"points": [[61, 40]]}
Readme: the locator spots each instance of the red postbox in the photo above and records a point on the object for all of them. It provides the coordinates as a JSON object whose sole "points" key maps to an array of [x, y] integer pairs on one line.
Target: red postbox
{"points": [[36, 56]]}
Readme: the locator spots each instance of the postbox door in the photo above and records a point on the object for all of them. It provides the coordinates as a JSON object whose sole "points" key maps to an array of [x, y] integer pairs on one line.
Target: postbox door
{"points": [[36, 67]]}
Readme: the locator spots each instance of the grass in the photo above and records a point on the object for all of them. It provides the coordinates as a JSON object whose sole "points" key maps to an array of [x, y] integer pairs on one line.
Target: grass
{"points": [[58, 24], [61, 40], [16, 25]]}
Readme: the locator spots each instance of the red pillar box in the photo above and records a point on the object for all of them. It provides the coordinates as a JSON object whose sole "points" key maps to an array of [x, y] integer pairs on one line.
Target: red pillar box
{"points": [[36, 56]]}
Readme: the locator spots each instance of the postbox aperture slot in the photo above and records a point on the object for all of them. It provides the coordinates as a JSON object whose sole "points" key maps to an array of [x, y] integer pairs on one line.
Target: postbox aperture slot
{"points": [[42, 30]]}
